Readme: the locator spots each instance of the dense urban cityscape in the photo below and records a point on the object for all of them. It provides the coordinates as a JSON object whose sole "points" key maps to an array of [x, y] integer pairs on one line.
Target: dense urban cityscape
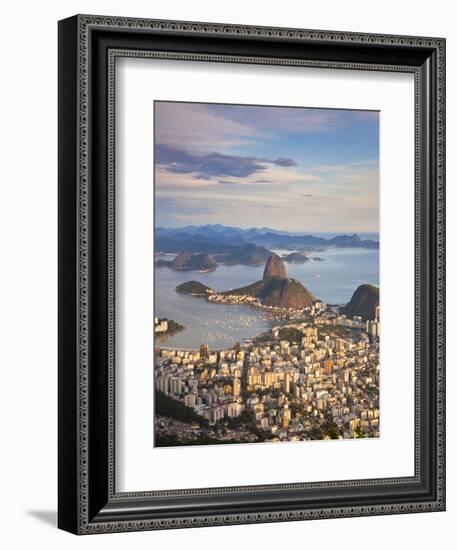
{"points": [[314, 378]]}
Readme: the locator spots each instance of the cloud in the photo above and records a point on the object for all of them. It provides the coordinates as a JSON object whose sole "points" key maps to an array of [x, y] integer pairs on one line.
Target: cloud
{"points": [[198, 127], [358, 166], [206, 166], [230, 164], [194, 127], [266, 205], [343, 200], [266, 119], [284, 162]]}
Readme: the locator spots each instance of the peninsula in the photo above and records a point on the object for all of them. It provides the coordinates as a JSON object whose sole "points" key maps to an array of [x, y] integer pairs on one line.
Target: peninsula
{"points": [[274, 291]]}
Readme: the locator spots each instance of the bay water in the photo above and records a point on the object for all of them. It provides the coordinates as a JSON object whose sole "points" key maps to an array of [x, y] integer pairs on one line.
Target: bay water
{"points": [[332, 280]]}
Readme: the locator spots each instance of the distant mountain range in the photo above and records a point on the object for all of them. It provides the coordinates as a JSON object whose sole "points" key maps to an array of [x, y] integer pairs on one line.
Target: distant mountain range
{"points": [[221, 239]]}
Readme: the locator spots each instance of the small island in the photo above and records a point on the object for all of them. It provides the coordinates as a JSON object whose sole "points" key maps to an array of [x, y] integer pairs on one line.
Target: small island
{"points": [[186, 261], [295, 258], [194, 288]]}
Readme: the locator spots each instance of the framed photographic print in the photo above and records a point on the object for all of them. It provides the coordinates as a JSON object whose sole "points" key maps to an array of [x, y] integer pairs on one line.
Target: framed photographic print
{"points": [[251, 274]]}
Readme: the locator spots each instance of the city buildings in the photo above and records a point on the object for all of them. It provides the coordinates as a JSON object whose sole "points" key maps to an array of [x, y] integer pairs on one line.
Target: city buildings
{"points": [[314, 379]]}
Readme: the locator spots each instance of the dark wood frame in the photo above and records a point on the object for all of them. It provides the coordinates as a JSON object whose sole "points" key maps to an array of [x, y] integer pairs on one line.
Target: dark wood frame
{"points": [[88, 502]]}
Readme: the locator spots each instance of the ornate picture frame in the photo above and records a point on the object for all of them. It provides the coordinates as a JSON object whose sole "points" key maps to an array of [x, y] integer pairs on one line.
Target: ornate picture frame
{"points": [[88, 48]]}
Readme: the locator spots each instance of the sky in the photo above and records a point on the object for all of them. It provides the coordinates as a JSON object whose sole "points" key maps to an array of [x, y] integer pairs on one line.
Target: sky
{"points": [[289, 168]]}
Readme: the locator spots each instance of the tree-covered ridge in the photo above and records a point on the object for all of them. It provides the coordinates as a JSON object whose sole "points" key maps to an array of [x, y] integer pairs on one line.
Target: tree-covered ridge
{"points": [[363, 302]]}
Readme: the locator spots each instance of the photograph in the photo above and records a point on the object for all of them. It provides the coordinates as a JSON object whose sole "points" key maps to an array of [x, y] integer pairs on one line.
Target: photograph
{"points": [[251, 273], [266, 274]]}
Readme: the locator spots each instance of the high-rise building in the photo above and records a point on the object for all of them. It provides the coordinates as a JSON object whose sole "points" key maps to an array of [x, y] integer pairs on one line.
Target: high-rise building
{"points": [[328, 366], [374, 329], [218, 413], [286, 415], [162, 383], [264, 423], [175, 385], [340, 345], [190, 400], [236, 387], [204, 351], [234, 410]]}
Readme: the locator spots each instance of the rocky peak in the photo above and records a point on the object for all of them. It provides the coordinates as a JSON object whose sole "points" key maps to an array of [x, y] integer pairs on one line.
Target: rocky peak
{"points": [[182, 260], [275, 267]]}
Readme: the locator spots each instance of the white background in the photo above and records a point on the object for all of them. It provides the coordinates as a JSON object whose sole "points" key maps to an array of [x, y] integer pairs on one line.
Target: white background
{"points": [[29, 272], [140, 466]]}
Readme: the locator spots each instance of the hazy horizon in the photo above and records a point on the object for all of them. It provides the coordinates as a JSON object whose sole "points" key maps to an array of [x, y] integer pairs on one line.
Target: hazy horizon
{"points": [[264, 228], [294, 169]]}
